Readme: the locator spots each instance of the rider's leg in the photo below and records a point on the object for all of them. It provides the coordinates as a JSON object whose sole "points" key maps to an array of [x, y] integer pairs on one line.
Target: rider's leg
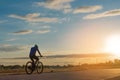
{"points": [[37, 59], [32, 59]]}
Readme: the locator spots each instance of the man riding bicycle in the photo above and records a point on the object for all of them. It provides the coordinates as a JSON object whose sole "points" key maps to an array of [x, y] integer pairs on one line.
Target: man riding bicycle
{"points": [[32, 54]]}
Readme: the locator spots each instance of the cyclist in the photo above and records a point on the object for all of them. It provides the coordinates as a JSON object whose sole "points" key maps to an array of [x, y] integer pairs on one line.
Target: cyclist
{"points": [[33, 56]]}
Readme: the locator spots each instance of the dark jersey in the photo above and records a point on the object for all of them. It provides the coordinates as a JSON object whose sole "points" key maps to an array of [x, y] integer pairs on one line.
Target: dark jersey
{"points": [[33, 51]]}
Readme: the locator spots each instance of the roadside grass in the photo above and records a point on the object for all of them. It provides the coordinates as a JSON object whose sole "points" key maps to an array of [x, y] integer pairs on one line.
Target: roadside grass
{"points": [[47, 69]]}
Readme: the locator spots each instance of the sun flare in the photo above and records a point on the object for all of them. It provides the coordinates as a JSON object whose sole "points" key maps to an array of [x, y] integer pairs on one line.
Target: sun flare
{"points": [[112, 45]]}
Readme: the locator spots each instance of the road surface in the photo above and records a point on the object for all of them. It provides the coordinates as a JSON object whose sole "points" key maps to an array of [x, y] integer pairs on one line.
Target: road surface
{"points": [[101, 74]]}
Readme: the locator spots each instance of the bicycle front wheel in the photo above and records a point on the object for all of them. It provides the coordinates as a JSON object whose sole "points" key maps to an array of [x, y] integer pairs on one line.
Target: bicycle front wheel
{"points": [[28, 67], [39, 67]]}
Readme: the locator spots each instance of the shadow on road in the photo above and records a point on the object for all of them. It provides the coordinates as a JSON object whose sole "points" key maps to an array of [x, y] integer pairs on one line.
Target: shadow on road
{"points": [[114, 78]]}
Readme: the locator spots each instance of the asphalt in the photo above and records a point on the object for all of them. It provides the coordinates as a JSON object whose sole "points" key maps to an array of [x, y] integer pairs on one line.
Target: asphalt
{"points": [[96, 74]]}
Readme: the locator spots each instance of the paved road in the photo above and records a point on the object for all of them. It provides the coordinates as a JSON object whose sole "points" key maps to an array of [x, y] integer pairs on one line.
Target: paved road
{"points": [[101, 74]]}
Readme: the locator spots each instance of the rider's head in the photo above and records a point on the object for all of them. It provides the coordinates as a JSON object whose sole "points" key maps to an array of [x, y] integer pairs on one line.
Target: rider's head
{"points": [[36, 45]]}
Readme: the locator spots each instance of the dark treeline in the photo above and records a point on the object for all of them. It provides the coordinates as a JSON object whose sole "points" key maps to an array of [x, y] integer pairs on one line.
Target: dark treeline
{"points": [[109, 64], [3, 67]]}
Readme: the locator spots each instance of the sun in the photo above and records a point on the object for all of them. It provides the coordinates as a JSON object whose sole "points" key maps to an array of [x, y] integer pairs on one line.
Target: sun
{"points": [[112, 45]]}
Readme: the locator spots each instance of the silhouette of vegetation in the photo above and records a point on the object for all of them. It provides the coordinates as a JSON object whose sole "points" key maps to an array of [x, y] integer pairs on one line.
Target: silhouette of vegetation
{"points": [[67, 67], [108, 64]]}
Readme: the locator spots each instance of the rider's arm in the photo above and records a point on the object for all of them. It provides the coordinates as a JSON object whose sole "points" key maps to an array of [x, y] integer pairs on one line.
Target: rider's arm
{"points": [[39, 52]]}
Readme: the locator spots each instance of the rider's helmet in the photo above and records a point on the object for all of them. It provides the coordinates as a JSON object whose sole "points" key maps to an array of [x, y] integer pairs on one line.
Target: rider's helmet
{"points": [[36, 45]]}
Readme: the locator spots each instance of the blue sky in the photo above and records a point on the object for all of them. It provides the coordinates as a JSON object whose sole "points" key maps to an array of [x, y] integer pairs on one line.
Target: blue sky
{"points": [[57, 26]]}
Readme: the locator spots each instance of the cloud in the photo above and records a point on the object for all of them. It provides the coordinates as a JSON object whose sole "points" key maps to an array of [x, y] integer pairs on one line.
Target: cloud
{"points": [[23, 32], [87, 9], [61, 5], [34, 17], [115, 12], [10, 48], [63, 20], [45, 26], [79, 55], [13, 39], [3, 21], [71, 56], [43, 31]]}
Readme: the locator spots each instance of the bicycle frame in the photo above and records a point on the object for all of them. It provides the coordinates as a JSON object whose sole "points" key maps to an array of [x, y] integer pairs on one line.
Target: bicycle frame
{"points": [[37, 66]]}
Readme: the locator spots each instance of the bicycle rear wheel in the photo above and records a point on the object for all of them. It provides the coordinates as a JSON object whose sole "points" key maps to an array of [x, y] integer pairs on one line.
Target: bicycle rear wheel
{"points": [[28, 67], [39, 67]]}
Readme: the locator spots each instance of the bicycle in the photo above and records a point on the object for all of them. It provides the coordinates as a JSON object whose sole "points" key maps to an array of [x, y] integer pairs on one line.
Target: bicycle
{"points": [[30, 67]]}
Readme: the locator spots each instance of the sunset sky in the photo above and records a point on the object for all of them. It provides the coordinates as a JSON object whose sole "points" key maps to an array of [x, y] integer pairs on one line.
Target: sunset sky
{"points": [[59, 26]]}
